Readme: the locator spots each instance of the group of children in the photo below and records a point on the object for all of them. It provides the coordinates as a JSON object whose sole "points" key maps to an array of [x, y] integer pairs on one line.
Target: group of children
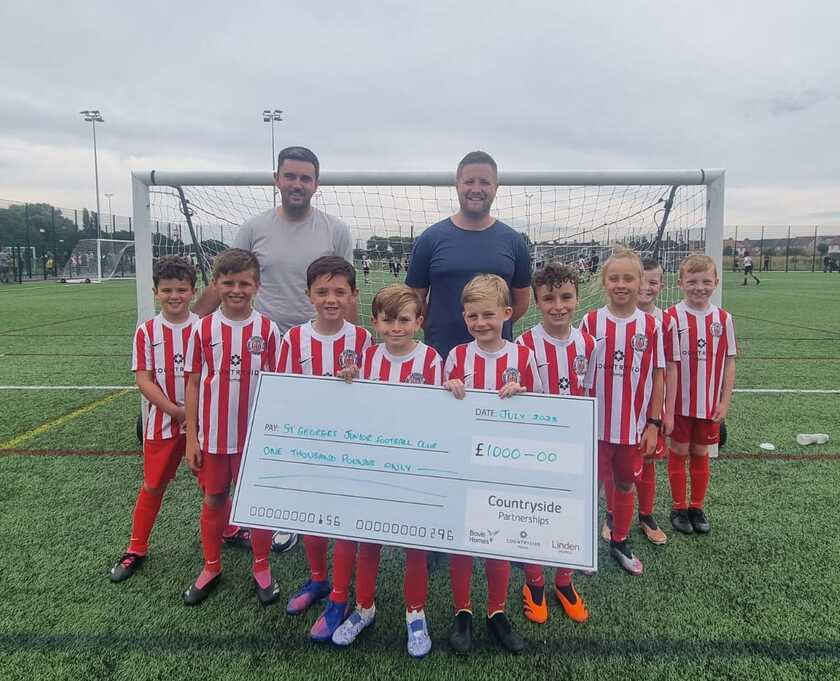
{"points": [[654, 374]]}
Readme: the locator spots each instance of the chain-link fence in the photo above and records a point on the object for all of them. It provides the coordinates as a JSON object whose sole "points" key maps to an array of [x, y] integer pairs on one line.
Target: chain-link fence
{"points": [[783, 248]]}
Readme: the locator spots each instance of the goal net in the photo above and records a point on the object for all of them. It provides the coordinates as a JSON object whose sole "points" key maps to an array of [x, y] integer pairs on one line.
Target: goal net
{"points": [[574, 217], [100, 260]]}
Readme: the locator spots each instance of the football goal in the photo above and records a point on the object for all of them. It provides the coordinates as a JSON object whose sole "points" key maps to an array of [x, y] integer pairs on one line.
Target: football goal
{"points": [[574, 216]]}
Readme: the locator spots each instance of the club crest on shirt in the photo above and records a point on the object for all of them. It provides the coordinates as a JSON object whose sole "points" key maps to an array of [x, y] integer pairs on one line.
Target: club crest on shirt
{"points": [[639, 342], [511, 375], [717, 329], [255, 345], [415, 378], [580, 365], [348, 359]]}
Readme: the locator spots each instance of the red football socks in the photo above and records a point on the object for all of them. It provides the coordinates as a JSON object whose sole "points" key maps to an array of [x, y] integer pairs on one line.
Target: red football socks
{"points": [[562, 578], [316, 556], [498, 579], [211, 523], [622, 514], [460, 577], [145, 512], [534, 575], [344, 556], [229, 530], [260, 550], [646, 488], [698, 467], [415, 580], [367, 570], [677, 480]]}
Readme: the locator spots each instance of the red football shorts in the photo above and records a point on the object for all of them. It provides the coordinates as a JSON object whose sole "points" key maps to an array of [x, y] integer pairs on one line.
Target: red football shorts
{"points": [[623, 462], [218, 472], [161, 459], [697, 431], [661, 449]]}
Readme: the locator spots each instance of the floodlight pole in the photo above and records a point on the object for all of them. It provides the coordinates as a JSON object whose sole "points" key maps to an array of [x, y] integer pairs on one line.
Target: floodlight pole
{"points": [[93, 116], [269, 116]]}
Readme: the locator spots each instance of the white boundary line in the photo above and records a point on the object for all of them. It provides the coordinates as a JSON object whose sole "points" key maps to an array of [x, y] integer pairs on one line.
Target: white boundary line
{"points": [[754, 391], [68, 387]]}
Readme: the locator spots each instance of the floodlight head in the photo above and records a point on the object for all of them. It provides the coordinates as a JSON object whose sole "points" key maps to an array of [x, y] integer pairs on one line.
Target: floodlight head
{"points": [[277, 114]]}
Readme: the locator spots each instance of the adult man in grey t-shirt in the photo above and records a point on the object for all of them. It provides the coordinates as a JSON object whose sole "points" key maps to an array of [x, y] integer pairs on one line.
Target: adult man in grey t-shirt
{"points": [[286, 240]]}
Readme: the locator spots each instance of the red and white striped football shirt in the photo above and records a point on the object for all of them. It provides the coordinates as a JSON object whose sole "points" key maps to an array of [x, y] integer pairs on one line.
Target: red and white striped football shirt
{"points": [[422, 366], [626, 353], [160, 347], [305, 351], [566, 367], [705, 339], [670, 339], [230, 354], [489, 370]]}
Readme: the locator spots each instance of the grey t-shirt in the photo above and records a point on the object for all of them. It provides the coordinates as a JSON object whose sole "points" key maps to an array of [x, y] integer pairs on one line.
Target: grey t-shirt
{"points": [[285, 249]]}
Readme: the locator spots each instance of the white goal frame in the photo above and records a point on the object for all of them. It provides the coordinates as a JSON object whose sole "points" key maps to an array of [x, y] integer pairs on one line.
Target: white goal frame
{"points": [[141, 181]]}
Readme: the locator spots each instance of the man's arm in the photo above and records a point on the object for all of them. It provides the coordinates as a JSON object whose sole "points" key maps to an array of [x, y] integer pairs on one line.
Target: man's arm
{"points": [[520, 299], [423, 293], [207, 302]]}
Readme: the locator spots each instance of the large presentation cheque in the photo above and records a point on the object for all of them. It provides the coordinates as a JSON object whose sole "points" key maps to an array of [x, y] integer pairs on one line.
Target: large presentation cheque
{"points": [[412, 466]]}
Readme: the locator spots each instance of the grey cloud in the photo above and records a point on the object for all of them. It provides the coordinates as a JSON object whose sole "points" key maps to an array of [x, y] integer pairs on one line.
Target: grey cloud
{"points": [[806, 99]]}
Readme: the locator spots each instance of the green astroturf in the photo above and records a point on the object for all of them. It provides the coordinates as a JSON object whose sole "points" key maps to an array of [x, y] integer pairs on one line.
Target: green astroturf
{"points": [[757, 599]]}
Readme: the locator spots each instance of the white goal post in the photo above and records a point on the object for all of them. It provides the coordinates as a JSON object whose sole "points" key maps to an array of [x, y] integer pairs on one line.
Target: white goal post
{"points": [[576, 216]]}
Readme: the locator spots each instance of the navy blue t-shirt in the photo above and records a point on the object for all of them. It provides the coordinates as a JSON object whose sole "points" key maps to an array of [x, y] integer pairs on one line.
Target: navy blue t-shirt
{"points": [[446, 257]]}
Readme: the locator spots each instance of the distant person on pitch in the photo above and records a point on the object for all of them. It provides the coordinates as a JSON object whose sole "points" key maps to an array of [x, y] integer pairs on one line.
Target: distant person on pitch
{"points": [[748, 270], [286, 240]]}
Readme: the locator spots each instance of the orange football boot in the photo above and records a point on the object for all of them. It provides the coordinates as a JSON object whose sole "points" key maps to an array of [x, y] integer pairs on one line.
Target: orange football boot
{"points": [[576, 611], [536, 612]]}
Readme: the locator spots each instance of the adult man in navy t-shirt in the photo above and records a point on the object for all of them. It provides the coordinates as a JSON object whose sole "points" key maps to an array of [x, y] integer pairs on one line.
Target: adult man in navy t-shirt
{"points": [[451, 252]]}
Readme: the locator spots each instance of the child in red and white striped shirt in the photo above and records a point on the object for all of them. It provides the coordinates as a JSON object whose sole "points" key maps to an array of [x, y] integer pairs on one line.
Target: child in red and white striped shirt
{"points": [[629, 387], [491, 363], [227, 352], [159, 349], [326, 346], [705, 379], [565, 361], [399, 359]]}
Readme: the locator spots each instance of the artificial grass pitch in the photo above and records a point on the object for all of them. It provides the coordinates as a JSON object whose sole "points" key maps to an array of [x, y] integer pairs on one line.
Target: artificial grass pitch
{"points": [[751, 599]]}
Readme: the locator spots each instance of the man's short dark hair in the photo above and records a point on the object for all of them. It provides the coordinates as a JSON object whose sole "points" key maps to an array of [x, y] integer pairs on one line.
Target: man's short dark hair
{"points": [[331, 266], [649, 264], [173, 267], [477, 158], [298, 154], [234, 261], [554, 274]]}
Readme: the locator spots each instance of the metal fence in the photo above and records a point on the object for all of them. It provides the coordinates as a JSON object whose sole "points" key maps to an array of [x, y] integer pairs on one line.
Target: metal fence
{"points": [[783, 248]]}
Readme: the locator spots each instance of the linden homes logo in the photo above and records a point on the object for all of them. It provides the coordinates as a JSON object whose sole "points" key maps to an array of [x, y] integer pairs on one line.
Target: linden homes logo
{"points": [[255, 345], [717, 329], [565, 547], [580, 365], [639, 342], [415, 379], [511, 375], [484, 537]]}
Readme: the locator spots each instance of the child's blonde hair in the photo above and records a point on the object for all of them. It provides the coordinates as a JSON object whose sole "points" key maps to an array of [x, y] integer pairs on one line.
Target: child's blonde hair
{"points": [[390, 301], [621, 254], [697, 263], [484, 287]]}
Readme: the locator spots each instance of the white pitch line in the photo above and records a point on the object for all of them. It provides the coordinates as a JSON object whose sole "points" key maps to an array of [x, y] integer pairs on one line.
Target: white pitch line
{"points": [[770, 391], [68, 387]]}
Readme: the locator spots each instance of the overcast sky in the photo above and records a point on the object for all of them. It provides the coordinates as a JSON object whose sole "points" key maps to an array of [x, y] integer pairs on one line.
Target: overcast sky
{"points": [[753, 87]]}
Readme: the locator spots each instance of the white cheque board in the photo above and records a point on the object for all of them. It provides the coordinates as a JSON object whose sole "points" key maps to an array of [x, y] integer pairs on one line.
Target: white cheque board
{"points": [[412, 466]]}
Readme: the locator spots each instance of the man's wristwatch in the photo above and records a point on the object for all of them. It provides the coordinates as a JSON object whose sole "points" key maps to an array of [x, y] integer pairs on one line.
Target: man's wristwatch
{"points": [[654, 422]]}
